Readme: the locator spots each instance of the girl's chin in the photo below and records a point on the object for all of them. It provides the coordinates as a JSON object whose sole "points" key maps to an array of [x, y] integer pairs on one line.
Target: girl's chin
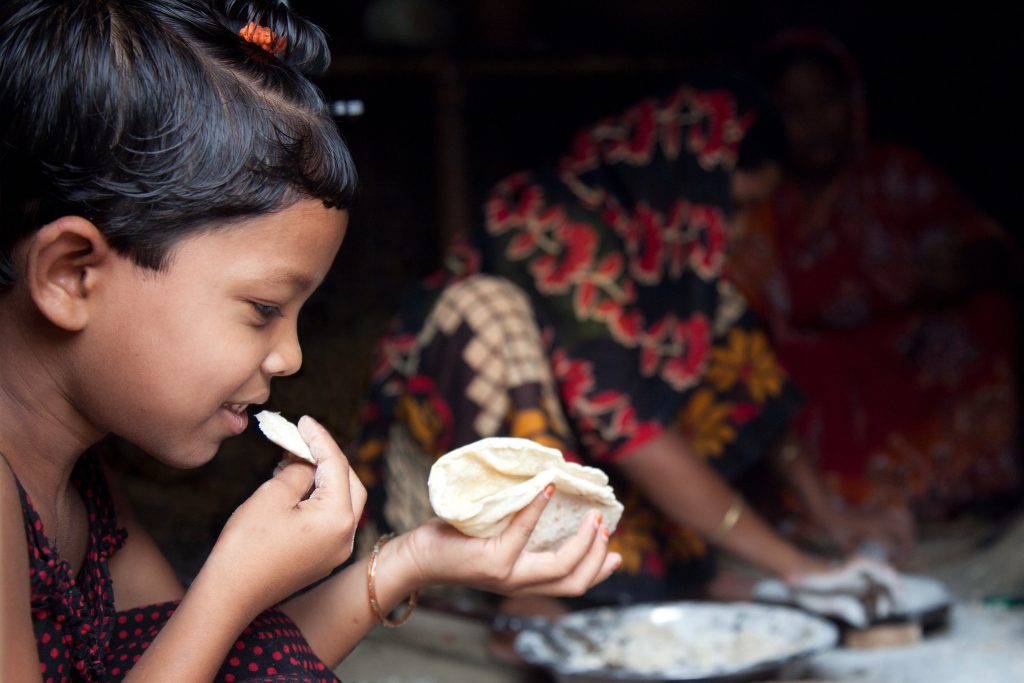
{"points": [[185, 456]]}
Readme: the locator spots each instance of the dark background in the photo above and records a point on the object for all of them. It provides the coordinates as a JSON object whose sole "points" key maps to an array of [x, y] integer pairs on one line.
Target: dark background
{"points": [[459, 93]]}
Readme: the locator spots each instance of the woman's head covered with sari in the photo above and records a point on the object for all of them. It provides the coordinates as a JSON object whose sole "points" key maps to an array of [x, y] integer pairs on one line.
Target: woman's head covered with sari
{"points": [[820, 97]]}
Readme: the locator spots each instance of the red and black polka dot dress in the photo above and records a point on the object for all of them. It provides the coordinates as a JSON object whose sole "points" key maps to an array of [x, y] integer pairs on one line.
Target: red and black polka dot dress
{"points": [[80, 636]]}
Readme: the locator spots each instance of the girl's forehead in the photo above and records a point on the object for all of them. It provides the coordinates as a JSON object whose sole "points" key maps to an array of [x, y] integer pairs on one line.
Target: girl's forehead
{"points": [[294, 246]]}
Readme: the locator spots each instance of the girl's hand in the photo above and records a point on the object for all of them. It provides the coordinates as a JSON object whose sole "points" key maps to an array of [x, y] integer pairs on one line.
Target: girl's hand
{"points": [[439, 553], [294, 529]]}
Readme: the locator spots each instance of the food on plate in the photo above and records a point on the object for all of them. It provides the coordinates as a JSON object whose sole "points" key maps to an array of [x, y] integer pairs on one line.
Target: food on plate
{"points": [[284, 434], [675, 641], [479, 487]]}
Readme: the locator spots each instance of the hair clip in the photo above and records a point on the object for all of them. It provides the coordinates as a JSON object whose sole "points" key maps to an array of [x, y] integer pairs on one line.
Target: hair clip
{"points": [[263, 37]]}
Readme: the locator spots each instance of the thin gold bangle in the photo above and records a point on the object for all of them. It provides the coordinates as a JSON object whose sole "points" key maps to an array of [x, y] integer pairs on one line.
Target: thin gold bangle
{"points": [[729, 520], [371, 590]]}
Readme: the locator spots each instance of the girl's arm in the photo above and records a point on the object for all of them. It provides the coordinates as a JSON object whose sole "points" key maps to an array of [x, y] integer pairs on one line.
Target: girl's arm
{"points": [[276, 542], [336, 615], [140, 573], [689, 492], [142, 576], [19, 659]]}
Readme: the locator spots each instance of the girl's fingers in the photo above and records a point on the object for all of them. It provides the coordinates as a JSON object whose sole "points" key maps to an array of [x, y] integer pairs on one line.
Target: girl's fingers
{"points": [[578, 560], [357, 493], [612, 561], [331, 481], [598, 566], [338, 495], [593, 562], [515, 536], [290, 484]]}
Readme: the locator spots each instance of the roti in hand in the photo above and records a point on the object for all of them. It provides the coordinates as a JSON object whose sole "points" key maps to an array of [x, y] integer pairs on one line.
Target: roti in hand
{"points": [[479, 487], [284, 434]]}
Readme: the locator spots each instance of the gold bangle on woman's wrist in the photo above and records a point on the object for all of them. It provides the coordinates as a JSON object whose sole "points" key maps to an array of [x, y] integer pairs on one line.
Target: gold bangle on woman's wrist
{"points": [[729, 520], [371, 588]]}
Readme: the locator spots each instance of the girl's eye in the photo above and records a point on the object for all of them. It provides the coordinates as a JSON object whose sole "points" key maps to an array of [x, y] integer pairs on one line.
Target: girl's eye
{"points": [[266, 311]]}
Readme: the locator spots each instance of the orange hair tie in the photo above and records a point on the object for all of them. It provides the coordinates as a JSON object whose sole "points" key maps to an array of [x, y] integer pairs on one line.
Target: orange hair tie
{"points": [[263, 37]]}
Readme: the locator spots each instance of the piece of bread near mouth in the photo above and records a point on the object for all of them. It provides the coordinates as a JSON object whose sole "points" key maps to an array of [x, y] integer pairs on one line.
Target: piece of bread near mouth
{"points": [[285, 434]]}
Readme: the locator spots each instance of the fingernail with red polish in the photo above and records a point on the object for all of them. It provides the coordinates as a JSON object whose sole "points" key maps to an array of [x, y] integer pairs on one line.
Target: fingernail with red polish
{"points": [[597, 522], [549, 490], [604, 533]]}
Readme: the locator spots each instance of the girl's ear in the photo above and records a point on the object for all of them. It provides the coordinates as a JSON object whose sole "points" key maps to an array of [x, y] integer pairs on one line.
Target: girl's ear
{"points": [[62, 263]]}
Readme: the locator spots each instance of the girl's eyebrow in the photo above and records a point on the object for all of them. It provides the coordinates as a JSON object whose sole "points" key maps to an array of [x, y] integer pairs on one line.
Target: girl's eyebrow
{"points": [[288, 278]]}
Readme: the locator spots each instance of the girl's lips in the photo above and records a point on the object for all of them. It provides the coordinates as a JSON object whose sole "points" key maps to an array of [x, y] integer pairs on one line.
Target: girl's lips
{"points": [[236, 417]]}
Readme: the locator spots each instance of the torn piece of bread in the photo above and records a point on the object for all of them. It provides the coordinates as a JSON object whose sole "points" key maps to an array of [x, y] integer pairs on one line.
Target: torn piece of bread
{"points": [[284, 434], [479, 487]]}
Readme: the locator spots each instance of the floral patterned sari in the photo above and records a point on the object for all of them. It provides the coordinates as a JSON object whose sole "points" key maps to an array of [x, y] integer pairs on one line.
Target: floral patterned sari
{"points": [[591, 314]]}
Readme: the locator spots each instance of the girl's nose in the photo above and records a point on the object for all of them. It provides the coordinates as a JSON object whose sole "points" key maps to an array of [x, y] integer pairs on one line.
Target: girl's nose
{"points": [[285, 358]]}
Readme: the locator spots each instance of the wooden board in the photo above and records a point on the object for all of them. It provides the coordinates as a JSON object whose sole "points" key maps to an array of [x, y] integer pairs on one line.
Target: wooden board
{"points": [[883, 635]]}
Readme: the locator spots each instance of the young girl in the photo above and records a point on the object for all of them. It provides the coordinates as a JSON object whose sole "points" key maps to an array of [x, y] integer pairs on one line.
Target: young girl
{"points": [[171, 192]]}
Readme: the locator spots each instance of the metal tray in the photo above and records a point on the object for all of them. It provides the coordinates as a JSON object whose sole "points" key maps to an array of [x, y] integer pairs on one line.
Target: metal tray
{"points": [[676, 641]]}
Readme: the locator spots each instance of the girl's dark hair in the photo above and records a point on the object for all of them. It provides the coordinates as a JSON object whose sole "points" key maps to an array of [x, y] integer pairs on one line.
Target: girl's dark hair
{"points": [[155, 119]]}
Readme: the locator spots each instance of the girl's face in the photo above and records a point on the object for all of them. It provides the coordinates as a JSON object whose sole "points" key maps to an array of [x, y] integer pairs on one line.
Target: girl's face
{"points": [[174, 358]]}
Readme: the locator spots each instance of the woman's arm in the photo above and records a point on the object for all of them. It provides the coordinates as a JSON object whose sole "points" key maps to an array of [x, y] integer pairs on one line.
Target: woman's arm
{"points": [[850, 529], [690, 492], [19, 659]]}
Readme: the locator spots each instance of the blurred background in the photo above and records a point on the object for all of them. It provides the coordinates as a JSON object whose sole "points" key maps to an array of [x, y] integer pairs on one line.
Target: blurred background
{"points": [[459, 93], [438, 99]]}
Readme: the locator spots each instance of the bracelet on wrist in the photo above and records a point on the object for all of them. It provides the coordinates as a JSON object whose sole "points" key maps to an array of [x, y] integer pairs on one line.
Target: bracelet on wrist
{"points": [[729, 521], [371, 588]]}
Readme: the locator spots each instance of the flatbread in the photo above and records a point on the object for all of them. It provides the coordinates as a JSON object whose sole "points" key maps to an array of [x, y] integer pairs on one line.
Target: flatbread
{"points": [[478, 488], [284, 434]]}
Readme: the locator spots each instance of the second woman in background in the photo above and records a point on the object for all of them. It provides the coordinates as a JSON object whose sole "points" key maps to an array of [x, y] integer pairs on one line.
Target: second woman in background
{"points": [[884, 292]]}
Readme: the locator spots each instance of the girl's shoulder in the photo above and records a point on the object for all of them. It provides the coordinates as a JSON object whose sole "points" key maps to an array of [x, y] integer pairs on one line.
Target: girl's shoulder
{"points": [[18, 653], [11, 514]]}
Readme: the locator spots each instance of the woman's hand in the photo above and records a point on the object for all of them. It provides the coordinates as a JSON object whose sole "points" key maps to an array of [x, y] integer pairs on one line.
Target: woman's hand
{"points": [[859, 591], [294, 529], [441, 554], [886, 534]]}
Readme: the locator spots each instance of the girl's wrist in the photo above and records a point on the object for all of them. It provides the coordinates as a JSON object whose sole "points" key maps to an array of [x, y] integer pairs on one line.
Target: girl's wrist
{"points": [[222, 609], [224, 593], [400, 572]]}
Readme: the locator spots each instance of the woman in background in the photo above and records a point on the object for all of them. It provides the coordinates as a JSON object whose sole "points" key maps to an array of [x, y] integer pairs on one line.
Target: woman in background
{"points": [[590, 314], [876, 280]]}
